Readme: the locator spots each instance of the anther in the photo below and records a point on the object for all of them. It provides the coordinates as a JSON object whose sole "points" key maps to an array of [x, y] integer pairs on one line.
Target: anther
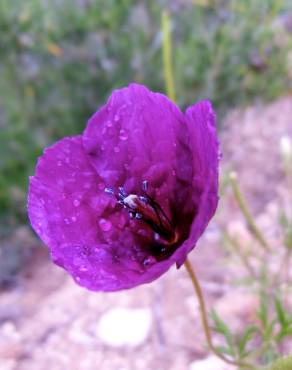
{"points": [[145, 185], [122, 192], [109, 191], [144, 199]]}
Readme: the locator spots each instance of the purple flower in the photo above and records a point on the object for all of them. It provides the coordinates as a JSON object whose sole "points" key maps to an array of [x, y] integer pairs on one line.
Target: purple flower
{"points": [[121, 203]]}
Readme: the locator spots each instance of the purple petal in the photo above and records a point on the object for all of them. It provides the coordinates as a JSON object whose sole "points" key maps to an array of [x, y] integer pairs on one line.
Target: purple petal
{"points": [[201, 122], [140, 135], [70, 211]]}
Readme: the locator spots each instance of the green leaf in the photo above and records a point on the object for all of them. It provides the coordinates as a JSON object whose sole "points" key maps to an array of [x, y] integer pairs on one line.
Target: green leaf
{"points": [[245, 338], [281, 314], [221, 327], [263, 313]]}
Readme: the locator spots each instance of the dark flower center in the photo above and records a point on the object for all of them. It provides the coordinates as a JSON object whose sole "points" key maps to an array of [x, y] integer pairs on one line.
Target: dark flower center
{"points": [[145, 209]]}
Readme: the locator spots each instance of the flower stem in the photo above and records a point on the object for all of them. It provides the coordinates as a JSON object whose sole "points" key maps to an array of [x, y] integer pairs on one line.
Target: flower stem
{"points": [[205, 322], [244, 209], [167, 55]]}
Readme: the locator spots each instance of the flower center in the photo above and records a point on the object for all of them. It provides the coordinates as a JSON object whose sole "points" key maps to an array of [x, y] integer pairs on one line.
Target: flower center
{"points": [[145, 209]]}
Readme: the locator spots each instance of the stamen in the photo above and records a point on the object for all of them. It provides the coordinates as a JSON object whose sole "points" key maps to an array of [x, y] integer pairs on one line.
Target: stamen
{"points": [[144, 199], [145, 208], [109, 191], [122, 192], [145, 185]]}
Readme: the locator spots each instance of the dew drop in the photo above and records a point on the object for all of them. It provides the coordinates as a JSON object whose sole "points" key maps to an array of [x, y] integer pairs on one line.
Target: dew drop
{"points": [[116, 149], [150, 260], [67, 221], [123, 135], [105, 225], [77, 261], [116, 118], [67, 160], [142, 232], [116, 257], [76, 202], [101, 186], [109, 124], [73, 218], [102, 147], [59, 163]]}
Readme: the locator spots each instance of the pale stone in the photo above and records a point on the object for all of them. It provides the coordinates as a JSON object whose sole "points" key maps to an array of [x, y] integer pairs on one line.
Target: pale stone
{"points": [[124, 327]]}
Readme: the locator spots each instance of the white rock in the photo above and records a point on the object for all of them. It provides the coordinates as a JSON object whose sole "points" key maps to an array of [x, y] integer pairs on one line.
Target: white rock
{"points": [[210, 363], [124, 327]]}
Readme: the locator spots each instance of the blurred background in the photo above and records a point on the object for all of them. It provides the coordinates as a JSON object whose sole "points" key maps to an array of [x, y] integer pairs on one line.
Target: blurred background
{"points": [[59, 61]]}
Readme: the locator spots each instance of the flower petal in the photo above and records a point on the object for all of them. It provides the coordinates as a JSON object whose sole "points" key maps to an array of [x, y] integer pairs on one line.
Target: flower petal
{"points": [[87, 236], [140, 135], [201, 123]]}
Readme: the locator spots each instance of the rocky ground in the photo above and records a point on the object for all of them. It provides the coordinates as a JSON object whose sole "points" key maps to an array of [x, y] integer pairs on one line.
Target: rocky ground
{"points": [[49, 323]]}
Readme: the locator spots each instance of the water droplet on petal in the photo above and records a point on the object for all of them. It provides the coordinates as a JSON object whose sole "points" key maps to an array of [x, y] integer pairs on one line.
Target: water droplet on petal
{"points": [[59, 163], [156, 236], [116, 257], [123, 135], [109, 124], [67, 221], [150, 260], [76, 202], [101, 186], [116, 149], [105, 225], [73, 218], [67, 160], [116, 118], [142, 232]]}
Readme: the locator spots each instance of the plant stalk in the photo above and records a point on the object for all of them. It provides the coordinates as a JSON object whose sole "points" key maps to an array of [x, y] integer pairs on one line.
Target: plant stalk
{"points": [[204, 319], [167, 55], [245, 211]]}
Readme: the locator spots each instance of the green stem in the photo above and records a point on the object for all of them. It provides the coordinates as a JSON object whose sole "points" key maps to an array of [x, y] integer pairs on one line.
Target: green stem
{"points": [[205, 323], [244, 209], [167, 55]]}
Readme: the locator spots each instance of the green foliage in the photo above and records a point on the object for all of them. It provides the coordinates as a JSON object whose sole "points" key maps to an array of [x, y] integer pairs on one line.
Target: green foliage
{"points": [[237, 346], [287, 230], [268, 335], [284, 363]]}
